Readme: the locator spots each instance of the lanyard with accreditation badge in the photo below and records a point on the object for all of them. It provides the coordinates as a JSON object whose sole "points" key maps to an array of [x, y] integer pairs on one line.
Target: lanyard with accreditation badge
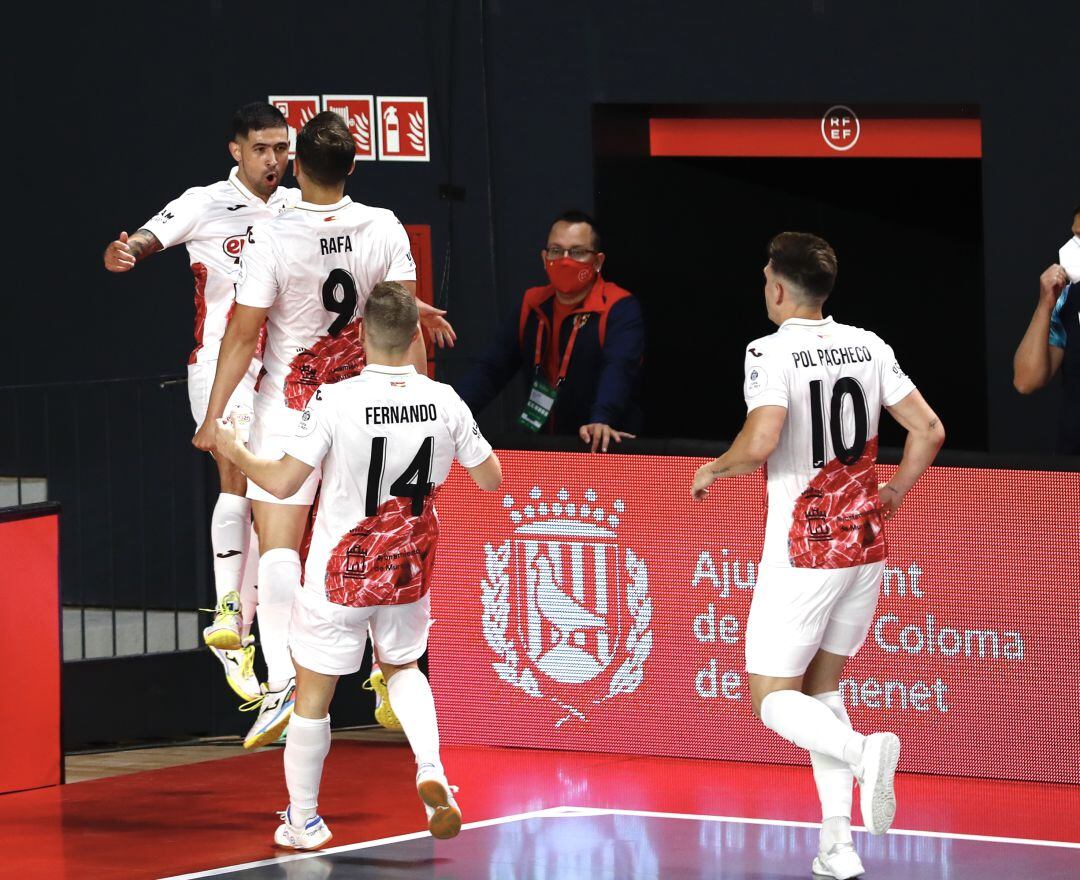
{"points": [[542, 395]]}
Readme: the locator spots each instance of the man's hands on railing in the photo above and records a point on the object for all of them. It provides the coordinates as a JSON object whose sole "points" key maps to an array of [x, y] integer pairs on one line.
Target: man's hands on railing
{"points": [[597, 434]]}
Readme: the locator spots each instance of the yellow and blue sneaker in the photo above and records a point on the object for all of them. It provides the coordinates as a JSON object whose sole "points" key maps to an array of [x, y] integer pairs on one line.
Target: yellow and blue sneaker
{"points": [[240, 670], [275, 712], [224, 632], [384, 712]]}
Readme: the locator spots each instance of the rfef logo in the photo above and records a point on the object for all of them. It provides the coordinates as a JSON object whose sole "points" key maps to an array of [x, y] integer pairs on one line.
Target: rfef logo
{"points": [[404, 130], [297, 110], [358, 112], [566, 609], [840, 128]]}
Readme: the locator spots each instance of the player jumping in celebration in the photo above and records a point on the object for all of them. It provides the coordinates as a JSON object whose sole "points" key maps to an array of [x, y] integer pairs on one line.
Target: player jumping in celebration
{"points": [[814, 391], [215, 223], [385, 440], [307, 274]]}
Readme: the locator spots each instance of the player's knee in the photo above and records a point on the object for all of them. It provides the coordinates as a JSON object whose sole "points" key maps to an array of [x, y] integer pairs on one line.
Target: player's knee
{"points": [[389, 670]]}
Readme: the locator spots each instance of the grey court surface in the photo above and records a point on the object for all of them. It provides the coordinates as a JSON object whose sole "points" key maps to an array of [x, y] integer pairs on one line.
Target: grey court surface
{"points": [[597, 845]]}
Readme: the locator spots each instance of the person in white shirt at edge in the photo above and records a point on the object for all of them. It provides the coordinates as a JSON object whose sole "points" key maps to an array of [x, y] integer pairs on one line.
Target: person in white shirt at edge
{"points": [[307, 274], [814, 392], [215, 222], [385, 441]]}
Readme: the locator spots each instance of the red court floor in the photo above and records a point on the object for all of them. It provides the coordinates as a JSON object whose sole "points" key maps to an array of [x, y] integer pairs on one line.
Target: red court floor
{"points": [[215, 814]]}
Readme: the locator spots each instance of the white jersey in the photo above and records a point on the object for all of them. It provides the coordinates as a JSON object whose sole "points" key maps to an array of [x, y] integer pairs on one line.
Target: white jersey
{"points": [[313, 268], [385, 440], [823, 492], [215, 223]]}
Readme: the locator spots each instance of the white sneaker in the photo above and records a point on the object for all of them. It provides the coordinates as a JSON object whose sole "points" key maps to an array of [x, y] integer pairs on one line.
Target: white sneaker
{"points": [[240, 670], [841, 863], [313, 835], [443, 813], [875, 773], [224, 632], [274, 715]]}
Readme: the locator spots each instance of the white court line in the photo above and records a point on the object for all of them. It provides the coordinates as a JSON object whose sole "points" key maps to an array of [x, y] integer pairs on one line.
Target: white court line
{"points": [[551, 812], [979, 838], [572, 812]]}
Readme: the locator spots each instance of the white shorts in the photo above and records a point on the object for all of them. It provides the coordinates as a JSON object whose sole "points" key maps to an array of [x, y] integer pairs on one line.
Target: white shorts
{"points": [[796, 611], [330, 639], [274, 426], [200, 381]]}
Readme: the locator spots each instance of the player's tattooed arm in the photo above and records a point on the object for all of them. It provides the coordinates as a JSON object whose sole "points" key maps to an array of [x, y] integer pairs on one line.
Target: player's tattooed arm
{"points": [[143, 243], [752, 447], [122, 255]]}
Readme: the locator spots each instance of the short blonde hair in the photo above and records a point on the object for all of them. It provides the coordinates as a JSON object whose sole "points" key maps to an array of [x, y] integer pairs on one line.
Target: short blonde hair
{"points": [[390, 317]]}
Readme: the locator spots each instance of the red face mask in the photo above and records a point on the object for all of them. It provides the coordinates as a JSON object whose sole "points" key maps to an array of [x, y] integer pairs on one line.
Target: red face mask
{"points": [[569, 276]]}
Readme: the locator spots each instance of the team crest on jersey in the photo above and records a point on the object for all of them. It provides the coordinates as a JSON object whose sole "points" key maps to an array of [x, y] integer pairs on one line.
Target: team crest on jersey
{"points": [[566, 608]]}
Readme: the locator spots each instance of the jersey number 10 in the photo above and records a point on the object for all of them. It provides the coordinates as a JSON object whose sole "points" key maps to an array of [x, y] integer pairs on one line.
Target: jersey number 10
{"points": [[845, 387], [414, 482]]}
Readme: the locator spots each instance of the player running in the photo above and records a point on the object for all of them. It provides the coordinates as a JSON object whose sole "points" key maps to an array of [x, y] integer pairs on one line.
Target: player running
{"points": [[215, 223], [307, 274], [814, 392], [385, 440]]}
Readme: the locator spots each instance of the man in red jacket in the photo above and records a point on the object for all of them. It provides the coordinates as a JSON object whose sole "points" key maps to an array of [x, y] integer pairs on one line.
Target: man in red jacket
{"points": [[580, 340]]}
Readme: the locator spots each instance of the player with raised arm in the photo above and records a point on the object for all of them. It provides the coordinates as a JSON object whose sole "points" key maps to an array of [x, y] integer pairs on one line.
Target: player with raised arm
{"points": [[215, 223], [385, 440], [306, 274], [814, 392]]}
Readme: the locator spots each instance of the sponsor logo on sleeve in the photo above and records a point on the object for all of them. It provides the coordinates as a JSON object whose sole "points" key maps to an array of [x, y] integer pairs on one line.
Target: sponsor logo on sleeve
{"points": [[306, 424], [756, 380]]}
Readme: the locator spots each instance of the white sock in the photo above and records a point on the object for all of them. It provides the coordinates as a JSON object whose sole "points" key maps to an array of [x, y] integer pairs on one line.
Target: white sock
{"points": [[249, 584], [279, 579], [306, 748], [229, 529], [834, 780], [811, 725], [414, 705]]}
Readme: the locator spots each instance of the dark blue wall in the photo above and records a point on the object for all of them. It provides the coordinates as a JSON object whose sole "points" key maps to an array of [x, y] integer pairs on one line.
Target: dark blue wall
{"points": [[119, 110]]}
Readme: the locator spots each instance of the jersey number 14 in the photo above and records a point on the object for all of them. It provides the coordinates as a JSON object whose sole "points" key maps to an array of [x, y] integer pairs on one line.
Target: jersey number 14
{"points": [[414, 482]]}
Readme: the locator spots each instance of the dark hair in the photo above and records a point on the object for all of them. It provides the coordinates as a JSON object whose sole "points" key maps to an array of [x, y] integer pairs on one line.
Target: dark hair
{"points": [[581, 217], [326, 149], [805, 260], [1076, 211], [255, 117], [390, 316]]}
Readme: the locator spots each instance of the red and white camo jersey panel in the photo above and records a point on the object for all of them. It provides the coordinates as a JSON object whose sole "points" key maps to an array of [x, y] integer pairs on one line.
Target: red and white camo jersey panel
{"points": [[834, 380], [313, 268], [385, 440]]}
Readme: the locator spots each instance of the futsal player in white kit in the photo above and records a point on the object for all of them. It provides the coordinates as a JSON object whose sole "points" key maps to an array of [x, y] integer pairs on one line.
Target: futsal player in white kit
{"points": [[814, 392], [306, 274], [215, 223], [385, 440]]}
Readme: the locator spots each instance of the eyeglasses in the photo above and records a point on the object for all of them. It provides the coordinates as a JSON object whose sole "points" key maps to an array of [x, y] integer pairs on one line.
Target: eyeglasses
{"points": [[581, 254]]}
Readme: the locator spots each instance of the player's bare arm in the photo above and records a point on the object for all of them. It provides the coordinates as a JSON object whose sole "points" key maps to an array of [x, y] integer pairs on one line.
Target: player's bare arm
{"points": [[237, 348], [431, 319], [750, 450], [926, 435], [1036, 361], [122, 254], [488, 474], [281, 478]]}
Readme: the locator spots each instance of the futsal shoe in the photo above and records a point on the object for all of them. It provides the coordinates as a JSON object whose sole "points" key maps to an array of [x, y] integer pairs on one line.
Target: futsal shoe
{"points": [[275, 711], [443, 813], [875, 774], [313, 835], [224, 632], [841, 863], [384, 712], [240, 670]]}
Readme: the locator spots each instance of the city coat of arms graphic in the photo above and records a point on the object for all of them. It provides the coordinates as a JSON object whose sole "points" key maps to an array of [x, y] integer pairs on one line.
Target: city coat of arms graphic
{"points": [[566, 609]]}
